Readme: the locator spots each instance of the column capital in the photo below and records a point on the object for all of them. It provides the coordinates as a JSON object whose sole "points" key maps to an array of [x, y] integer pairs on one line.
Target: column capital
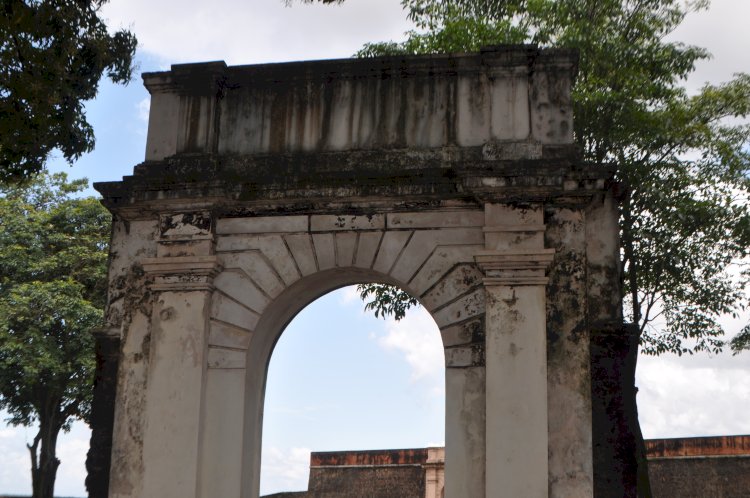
{"points": [[182, 273], [520, 267]]}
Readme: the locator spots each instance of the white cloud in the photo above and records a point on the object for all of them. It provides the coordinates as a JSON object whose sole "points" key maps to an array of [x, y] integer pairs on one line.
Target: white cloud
{"points": [[256, 31], [349, 295], [284, 469], [268, 31], [15, 463], [8, 433], [722, 29], [71, 450], [417, 337], [693, 396], [15, 476], [143, 107]]}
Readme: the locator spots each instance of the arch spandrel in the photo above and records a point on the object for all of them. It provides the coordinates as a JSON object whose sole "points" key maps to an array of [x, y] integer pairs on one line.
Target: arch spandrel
{"points": [[479, 207]]}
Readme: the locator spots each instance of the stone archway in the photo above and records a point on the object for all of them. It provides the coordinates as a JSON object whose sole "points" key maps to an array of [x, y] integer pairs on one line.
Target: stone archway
{"points": [[454, 177]]}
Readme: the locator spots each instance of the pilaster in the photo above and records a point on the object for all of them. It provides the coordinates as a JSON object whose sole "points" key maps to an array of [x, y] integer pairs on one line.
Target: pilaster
{"points": [[181, 279], [514, 263]]}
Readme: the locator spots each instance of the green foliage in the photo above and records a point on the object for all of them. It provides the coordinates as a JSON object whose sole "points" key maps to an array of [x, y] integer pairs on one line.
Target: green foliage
{"points": [[53, 258], [742, 340], [685, 159], [386, 300], [52, 55], [46, 350]]}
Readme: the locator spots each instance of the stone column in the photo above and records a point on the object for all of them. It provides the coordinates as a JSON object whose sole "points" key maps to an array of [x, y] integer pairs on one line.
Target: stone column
{"points": [[514, 265], [182, 282], [99, 455]]}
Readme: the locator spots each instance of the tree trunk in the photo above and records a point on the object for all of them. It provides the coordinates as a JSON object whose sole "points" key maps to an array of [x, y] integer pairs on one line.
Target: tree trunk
{"points": [[44, 461], [620, 466]]}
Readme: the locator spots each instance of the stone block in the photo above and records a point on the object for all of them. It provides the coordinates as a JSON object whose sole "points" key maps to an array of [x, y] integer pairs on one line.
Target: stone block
{"points": [[435, 219], [507, 215], [180, 248], [185, 225], [163, 117], [510, 107], [424, 242], [262, 224], [335, 223], [461, 309], [464, 356], [273, 248], [257, 268], [346, 244], [325, 250], [301, 247], [224, 358], [238, 286], [551, 112], [228, 310], [439, 264], [463, 333], [472, 111], [367, 248], [390, 249], [226, 335], [458, 281]]}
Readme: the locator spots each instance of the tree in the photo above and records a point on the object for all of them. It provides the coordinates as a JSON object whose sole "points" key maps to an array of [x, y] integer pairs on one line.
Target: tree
{"points": [[53, 256], [52, 55], [684, 159]]}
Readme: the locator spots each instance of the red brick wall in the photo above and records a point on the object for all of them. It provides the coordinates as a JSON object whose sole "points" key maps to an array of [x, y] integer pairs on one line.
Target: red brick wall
{"points": [[705, 467]]}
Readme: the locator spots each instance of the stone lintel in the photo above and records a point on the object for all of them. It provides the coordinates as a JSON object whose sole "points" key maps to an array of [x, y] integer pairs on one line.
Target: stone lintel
{"points": [[183, 273]]}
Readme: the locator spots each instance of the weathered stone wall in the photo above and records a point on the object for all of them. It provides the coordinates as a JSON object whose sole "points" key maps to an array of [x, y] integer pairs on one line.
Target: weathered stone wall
{"points": [[264, 187], [407, 102]]}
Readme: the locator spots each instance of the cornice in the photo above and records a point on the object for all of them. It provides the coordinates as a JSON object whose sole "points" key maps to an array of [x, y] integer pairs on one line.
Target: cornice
{"points": [[283, 182]]}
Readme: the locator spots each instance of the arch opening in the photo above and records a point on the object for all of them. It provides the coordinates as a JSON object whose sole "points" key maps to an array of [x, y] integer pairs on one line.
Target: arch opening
{"points": [[275, 320], [341, 380]]}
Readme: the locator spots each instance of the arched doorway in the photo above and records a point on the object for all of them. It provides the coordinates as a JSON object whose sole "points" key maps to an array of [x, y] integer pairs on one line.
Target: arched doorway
{"points": [[341, 379], [460, 305]]}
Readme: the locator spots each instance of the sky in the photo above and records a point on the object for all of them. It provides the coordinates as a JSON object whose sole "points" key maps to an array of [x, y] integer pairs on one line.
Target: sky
{"points": [[354, 381]]}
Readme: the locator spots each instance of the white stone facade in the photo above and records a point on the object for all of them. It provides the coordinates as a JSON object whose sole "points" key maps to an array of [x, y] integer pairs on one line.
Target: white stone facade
{"points": [[237, 222]]}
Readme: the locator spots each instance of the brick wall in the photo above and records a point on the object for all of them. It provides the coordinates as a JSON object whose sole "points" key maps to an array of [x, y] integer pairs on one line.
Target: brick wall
{"points": [[370, 474], [703, 467]]}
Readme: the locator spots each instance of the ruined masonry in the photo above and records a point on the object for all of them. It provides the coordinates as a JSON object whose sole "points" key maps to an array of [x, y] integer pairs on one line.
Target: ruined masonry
{"points": [[454, 177]]}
